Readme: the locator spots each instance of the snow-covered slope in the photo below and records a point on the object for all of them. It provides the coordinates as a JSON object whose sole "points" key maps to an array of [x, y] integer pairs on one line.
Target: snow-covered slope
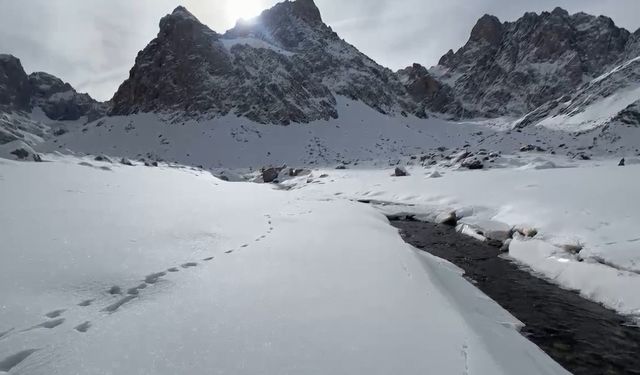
{"points": [[135, 270], [597, 103], [361, 136]]}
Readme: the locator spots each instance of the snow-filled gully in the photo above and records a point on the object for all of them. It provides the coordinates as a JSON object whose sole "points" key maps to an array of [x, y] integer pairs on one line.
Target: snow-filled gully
{"points": [[583, 336]]}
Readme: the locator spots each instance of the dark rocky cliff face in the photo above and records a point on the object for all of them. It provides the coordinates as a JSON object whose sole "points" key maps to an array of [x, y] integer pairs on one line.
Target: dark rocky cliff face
{"points": [[513, 67], [60, 101], [285, 66], [15, 89], [20, 92]]}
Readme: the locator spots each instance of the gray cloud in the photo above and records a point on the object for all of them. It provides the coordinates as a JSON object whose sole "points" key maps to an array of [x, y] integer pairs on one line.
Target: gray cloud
{"points": [[93, 43]]}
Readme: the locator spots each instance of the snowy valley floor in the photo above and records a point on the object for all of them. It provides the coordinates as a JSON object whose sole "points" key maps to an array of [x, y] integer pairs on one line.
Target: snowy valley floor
{"points": [[583, 219], [110, 269]]}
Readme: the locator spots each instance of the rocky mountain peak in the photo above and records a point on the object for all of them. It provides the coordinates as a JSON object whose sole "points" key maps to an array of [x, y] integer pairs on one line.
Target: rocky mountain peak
{"points": [[307, 11], [488, 29], [560, 12], [15, 90], [21, 93], [182, 24], [512, 68], [293, 25], [284, 66]]}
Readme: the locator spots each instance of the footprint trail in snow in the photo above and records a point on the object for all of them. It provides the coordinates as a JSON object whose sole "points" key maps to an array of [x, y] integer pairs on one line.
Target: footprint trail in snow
{"points": [[123, 296]]}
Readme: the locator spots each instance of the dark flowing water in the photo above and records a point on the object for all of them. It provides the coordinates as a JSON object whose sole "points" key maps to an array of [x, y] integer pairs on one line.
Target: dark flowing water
{"points": [[583, 336]]}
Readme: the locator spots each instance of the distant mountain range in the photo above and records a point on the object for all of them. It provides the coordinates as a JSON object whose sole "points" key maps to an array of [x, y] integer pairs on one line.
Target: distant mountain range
{"points": [[571, 72]]}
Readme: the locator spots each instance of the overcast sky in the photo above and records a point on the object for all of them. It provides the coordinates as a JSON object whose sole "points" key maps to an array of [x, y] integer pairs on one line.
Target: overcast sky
{"points": [[93, 43]]}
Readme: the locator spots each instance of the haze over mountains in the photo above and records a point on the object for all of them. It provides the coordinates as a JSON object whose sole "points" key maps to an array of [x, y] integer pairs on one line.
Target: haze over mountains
{"points": [[573, 73]]}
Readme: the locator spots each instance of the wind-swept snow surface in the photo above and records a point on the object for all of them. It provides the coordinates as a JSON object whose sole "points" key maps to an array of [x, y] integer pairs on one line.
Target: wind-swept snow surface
{"points": [[111, 269], [583, 219]]}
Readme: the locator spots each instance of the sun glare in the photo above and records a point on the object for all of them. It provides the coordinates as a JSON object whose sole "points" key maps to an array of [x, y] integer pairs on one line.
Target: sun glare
{"points": [[243, 9]]}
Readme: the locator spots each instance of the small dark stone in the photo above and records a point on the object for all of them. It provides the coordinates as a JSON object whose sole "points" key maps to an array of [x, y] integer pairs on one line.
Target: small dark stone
{"points": [[472, 163], [622, 163], [20, 153], [102, 158], [270, 175], [400, 172], [125, 161]]}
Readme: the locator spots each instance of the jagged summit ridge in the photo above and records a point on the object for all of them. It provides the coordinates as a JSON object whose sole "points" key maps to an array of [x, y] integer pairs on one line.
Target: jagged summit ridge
{"points": [[287, 65], [20, 92], [510, 68], [284, 66]]}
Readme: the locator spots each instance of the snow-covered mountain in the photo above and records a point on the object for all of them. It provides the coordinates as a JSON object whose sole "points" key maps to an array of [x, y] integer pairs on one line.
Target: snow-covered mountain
{"points": [[512, 68], [611, 97], [285, 66], [32, 106], [20, 92]]}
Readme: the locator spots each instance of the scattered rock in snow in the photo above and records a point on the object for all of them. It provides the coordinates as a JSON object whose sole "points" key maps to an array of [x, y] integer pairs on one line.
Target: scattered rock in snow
{"points": [[435, 174], [37, 158], [102, 158], [460, 157], [341, 167], [582, 156], [270, 175], [505, 246], [297, 172], [527, 232], [125, 161], [469, 231], [447, 218], [529, 148], [622, 162], [472, 163], [20, 153], [400, 172], [573, 248]]}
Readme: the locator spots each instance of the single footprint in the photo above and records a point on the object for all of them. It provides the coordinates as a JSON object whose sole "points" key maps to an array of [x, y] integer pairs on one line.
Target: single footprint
{"points": [[135, 291], [154, 277], [209, 259], [173, 269], [15, 359], [115, 290], [189, 265], [48, 325], [245, 245], [228, 252], [85, 303], [84, 327], [54, 314], [116, 305]]}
